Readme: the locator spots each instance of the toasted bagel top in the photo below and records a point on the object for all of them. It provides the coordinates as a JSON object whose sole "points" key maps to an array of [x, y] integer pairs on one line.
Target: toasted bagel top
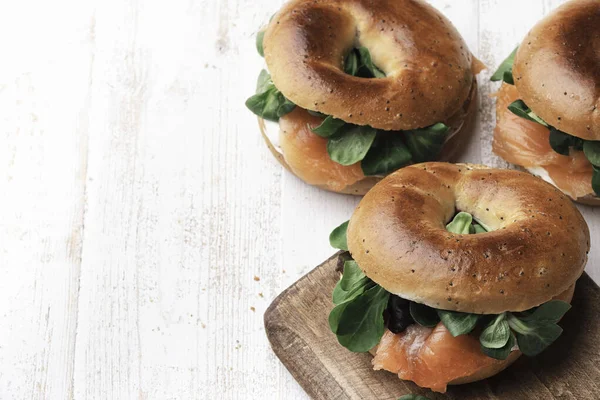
{"points": [[557, 69], [536, 249], [426, 61]]}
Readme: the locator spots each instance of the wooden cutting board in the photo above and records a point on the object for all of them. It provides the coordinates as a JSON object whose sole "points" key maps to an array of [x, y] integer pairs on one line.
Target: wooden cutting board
{"points": [[297, 327]]}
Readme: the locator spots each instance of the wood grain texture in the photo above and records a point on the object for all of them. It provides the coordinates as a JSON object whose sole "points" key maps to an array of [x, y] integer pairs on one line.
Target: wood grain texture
{"points": [[138, 201], [296, 327]]}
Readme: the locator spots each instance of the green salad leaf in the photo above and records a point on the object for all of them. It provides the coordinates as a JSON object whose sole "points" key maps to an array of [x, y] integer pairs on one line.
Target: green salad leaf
{"points": [[329, 127], [458, 323], [361, 324], [504, 72], [561, 142], [533, 336], [351, 144], [268, 102], [461, 223], [259, 42], [351, 63], [426, 143], [478, 228], [387, 154], [413, 397], [424, 315], [496, 334], [341, 296], [551, 312], [464, 223], [358, 62], [518, 107], [503, 352], [337, 237], [352, 275], [596, 180], [366, 68], [591, 149]]}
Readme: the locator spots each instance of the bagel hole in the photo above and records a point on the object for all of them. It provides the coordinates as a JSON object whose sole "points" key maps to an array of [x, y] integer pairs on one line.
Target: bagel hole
{"points": [[359, 63]]}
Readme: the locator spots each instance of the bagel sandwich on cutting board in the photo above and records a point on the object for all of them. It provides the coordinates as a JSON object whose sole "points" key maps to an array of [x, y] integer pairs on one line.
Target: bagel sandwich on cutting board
{"points": [[455, 270], [548, 107], [361, 88]]}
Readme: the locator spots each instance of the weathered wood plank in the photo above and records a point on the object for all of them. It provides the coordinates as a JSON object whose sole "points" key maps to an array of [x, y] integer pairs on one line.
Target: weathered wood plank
{"points": [[44, 130]]}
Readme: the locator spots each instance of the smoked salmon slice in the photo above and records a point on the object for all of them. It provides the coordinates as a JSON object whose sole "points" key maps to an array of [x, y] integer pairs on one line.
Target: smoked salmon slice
{"points": [[306, 153], [430, 357], [526, 143]]}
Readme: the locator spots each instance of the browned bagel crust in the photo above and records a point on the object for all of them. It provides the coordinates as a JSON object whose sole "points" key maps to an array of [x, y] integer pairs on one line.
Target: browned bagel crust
{"points": [[537, 248], [557, 69], [427, 62]]}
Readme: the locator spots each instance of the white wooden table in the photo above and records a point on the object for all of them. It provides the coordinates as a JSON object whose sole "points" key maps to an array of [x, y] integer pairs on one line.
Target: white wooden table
{"points": [[144, 225]]}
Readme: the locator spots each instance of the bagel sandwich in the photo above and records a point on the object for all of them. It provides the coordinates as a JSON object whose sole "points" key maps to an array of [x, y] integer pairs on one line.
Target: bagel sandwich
{"points": [[548, 107], [453, 271], [360, 88]]}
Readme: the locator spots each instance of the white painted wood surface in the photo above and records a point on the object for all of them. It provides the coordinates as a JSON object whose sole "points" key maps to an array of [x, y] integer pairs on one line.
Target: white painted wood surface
{"points": [[144, 226]]}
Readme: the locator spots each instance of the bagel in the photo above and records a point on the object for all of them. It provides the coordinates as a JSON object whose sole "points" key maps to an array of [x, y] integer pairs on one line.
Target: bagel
{"points": [[556, 74], [531, 249], [427, 67], [426, 77]]}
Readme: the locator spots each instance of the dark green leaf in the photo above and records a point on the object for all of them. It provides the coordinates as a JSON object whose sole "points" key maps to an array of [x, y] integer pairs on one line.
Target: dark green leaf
{"points": [[352, 274], [425, 144], [366, 66], [424, 315], [503, 352], [351, 63], [341, 296], [387, 154], [328, 127], [458, 323], [337, 237], [591, 149], [496, 334], [534, 343], [562, 142], [259, 43], [519, 108], [596, 180], [263, 83], [335, 314], [478, 228], [461, 223], [285, 107], [268, 103], [361, 324], [551, 311], [351, 144], [533, 336], [504, 72], [413, 397]]}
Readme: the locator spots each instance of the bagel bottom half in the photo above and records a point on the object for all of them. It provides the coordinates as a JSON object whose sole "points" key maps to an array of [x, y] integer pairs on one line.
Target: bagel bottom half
{"points": [[461, 125], [491, 370]]}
